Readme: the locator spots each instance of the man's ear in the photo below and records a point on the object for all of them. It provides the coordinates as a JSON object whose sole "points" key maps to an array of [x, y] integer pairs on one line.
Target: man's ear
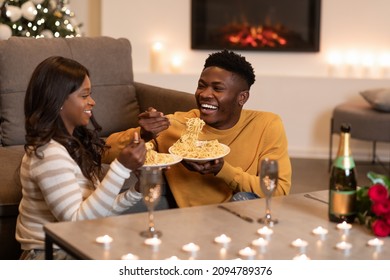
{"points": [[243, 97]]}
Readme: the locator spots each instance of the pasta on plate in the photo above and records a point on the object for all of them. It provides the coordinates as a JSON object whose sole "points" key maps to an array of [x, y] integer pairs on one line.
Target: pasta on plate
{"points": [[191, 148], [154, 158]]}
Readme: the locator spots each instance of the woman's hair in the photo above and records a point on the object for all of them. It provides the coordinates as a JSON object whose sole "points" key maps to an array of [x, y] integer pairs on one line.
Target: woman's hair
{"points": [[232, 62], [52, 81]]}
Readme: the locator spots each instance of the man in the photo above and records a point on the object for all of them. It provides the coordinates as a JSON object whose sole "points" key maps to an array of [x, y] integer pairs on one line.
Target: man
{"points": [[223, 89]]}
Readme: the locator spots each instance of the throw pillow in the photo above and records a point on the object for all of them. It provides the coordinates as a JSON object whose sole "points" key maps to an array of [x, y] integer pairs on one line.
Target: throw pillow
{"points": [[378, 98]]}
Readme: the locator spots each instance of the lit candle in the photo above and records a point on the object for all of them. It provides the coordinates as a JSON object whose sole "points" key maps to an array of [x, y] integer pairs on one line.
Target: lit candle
{"points": [[156, 58], [345, 246], [154, 241], [260, 242], [335, 62], [301, 244], [176, 63], [129, 256], [104, 240], [321, 232], [265, 231], [377, 243], [191, 248], [173, 258], [247, 252], [301, 257], [345, 227], [223, 239]]}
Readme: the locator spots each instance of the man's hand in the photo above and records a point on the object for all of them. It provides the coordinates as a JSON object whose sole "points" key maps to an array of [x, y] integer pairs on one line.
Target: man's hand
{"points": [[152, 123], [209, 167]]}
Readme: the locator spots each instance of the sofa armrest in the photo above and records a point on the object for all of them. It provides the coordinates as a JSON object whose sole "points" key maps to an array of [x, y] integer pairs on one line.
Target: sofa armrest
{"points": [[165, 100]]}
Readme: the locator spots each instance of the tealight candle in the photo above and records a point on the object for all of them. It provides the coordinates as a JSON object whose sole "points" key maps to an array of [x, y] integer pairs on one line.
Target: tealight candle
{"points": [[260, 242], [222, 239], [190, 247], [173, 258], [104, 240], [299, 243], [320, 231], [247, 252], [265, 231], [377, 243], [344, 246], [301, 257], [154, 241], [129, 256], [345, 227]]}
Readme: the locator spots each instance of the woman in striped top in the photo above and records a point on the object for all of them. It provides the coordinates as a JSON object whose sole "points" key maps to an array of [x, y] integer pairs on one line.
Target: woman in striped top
{"points": [[61, 171]]}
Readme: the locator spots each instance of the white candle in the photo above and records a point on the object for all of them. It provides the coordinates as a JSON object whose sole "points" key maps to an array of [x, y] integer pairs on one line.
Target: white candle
{"points": [[154, 241], [129, 256], [377, 243], [173, 258], [190, 247], [247, 252], [222, 239], [265, 231], [176, 64], [344, 246], [156, 58], [104, 240], [345, 227], [301, 257], [260, 242], [299, 243], [320, 231]]}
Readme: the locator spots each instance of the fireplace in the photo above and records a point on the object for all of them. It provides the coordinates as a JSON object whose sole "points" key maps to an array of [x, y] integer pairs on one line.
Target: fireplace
{"points": [[256, 25]]}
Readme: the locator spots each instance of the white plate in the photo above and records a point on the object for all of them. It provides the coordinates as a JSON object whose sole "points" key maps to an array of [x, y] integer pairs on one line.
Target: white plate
{"points": [[202, 160], [175, 159]]}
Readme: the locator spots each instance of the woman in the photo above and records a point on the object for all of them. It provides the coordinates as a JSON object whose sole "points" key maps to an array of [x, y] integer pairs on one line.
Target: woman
{"points": [[61, 169]]}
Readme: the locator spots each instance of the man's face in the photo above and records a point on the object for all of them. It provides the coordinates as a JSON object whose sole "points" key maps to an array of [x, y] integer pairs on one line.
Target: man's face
{"points": [[220, 96]]}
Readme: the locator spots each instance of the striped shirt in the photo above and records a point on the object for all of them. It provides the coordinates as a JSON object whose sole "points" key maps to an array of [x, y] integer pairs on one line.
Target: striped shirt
{"points": [[54, 189]]}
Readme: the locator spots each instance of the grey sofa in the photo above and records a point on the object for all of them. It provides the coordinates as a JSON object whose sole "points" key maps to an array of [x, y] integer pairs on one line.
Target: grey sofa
{"points": [[119, 99]]}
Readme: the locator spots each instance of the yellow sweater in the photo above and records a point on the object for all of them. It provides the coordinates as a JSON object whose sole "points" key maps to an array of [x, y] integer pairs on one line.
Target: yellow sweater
{"points": [[257, 135]]}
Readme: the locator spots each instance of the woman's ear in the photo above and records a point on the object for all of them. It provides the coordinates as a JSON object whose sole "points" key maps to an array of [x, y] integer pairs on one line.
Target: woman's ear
{"points": [[243, 97]]}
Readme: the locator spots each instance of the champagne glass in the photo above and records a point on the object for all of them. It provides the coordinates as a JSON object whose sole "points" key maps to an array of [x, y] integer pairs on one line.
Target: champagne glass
{"points": [[151, 188], [268, 183]]}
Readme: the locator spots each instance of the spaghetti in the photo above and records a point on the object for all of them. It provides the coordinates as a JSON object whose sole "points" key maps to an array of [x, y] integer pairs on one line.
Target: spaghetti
{"points": [[189, 146], [155, 158]]}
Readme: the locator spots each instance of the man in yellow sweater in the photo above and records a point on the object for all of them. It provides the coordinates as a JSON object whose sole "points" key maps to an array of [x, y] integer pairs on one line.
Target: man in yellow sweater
{"points": [[223, 88]]}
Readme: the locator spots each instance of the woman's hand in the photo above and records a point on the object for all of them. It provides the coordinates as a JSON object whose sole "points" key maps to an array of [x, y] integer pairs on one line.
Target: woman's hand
{"points": [[134, 154], [152, 123]]}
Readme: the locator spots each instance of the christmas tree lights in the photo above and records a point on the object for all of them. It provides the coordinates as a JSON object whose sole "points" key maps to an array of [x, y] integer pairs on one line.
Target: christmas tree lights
{"points": [[37, 19]]}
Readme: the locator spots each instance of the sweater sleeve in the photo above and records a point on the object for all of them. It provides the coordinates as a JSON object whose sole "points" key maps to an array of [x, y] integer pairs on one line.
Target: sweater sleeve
{"points": [[273, 144], [69, 195]]}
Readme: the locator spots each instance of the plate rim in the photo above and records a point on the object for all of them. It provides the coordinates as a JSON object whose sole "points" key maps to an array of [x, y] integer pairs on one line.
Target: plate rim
{"points": [[177, 160]]}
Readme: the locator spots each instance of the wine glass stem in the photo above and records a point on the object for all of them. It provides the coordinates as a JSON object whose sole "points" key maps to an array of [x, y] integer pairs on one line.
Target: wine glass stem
{"points": [[151, 221], [268, 208]]}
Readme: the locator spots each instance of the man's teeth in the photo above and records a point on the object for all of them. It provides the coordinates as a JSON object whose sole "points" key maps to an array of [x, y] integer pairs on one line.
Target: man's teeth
{"points": [[88, 111], [208, 106]]}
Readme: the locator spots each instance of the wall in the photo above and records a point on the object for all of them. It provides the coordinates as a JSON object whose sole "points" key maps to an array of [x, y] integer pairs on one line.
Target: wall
{"points": [[298, 86]]}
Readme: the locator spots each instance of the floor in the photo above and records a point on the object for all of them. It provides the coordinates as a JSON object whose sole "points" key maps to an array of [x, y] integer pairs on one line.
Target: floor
{"points": [[312, 174]]}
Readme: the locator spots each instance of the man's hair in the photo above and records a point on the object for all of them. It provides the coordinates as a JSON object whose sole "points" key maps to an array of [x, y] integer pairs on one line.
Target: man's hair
{"points": [[232, 62]]}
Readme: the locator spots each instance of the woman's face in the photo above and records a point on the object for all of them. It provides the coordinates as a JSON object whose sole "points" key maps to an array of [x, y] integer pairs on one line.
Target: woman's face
{"points": [[77, 108], [220, 96]]}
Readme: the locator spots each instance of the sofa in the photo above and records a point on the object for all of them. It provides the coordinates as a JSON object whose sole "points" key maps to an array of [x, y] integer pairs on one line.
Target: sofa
{"points": [[119, 99]]}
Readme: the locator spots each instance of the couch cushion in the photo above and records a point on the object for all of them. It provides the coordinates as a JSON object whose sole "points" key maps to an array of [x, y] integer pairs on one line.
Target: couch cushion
{"points": [[110, 65]]}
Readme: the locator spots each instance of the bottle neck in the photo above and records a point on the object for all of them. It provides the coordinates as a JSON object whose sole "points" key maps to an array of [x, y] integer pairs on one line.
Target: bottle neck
{"points": [[344, 147], [344, 158]]}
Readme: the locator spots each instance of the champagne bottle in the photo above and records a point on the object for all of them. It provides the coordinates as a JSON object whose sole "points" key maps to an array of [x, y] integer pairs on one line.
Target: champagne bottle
{"points": [[342, 183]]}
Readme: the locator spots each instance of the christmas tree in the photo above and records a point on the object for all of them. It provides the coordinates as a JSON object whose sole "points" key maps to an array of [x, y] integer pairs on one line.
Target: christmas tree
{"points": [[37, 18]]}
